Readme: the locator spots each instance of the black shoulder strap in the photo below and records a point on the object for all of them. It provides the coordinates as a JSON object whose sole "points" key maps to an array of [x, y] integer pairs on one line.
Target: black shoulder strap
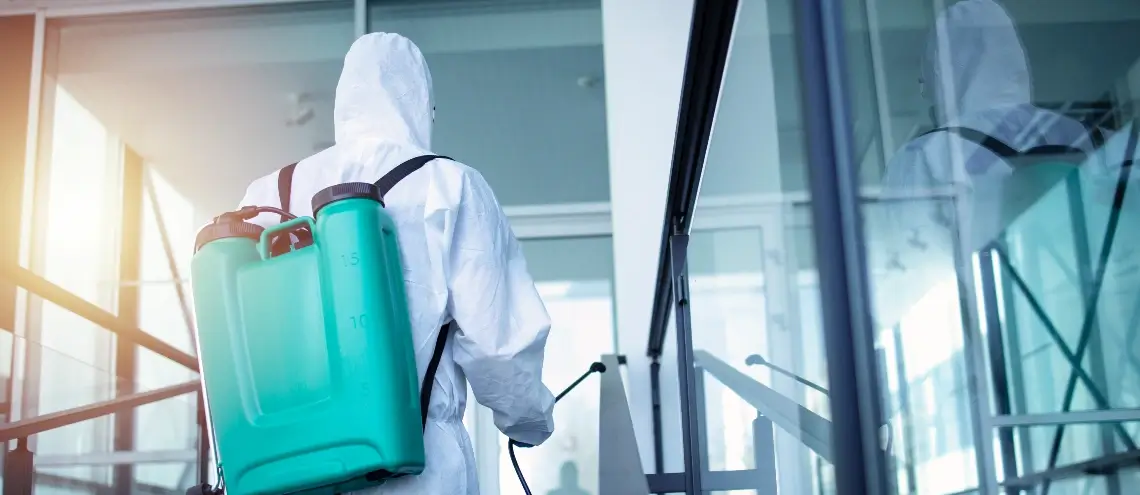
{"points": [[429, 377], [999, 148], [385, 184], [995, 145], [285, 186], [390, 179]]}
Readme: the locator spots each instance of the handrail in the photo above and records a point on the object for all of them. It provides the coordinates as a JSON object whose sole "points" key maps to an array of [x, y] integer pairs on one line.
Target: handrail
{"points": [[619, 461], [59, 296], [813, 430], [39, 424], [709, 37]]}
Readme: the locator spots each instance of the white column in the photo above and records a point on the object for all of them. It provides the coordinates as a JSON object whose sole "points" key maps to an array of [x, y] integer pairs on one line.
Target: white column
{"points": [[645, 46]]}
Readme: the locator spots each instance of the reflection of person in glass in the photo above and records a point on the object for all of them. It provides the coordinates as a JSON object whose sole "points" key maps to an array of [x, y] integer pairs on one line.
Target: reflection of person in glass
{"points": [[974, 76], [569, 483]]}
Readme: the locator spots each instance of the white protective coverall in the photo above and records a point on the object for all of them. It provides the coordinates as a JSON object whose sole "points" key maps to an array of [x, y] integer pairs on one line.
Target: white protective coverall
{"points": [[975, 75], [462, 263]]}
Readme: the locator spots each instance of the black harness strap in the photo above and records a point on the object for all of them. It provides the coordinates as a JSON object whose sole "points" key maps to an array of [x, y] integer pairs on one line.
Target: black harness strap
{"points": [[429, 377], [385, 184], [390, 179], [285, 186], [1005, 151], [995, 145]]}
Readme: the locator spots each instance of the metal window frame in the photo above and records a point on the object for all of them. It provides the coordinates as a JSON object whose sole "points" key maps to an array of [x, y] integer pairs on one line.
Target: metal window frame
{"points": [[860, 466], [126, 353]]}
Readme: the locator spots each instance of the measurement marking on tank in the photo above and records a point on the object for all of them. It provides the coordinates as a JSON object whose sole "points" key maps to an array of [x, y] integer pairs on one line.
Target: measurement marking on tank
{"points": [[360, 321], [350, 259]]}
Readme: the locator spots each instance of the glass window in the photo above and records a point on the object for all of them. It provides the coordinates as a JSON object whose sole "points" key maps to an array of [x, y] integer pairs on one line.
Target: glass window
{"points": [[161, 312], [67, 360], [574, 277], [998, 206]]}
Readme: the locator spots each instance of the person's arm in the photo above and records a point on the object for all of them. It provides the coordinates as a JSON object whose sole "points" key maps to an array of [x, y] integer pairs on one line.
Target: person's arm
{"points": [[502, 321]]}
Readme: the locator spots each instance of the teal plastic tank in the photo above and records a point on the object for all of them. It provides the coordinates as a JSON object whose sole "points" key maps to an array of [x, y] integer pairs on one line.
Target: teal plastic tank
{"points": [[307, 356]]}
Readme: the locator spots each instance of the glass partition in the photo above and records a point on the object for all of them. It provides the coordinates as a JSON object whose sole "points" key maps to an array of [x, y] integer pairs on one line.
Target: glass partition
{"points": [[755, 316], [1003, 275]]}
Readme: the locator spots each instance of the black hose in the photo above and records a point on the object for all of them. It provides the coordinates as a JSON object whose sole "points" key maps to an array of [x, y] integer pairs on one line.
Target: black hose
{"points": [[515, 463], [594, 368]]}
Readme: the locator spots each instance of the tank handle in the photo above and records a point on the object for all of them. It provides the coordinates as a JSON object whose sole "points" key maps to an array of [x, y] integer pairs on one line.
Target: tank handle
{"points": [[282, 228]]}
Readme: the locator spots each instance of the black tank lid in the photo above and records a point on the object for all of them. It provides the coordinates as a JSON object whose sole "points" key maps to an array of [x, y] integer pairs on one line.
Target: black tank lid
{"points": [[347, 190], [222, 230]]}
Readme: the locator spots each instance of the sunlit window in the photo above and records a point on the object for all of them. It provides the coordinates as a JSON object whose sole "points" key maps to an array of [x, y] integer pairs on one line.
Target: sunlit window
{"points": [[79, 253]]}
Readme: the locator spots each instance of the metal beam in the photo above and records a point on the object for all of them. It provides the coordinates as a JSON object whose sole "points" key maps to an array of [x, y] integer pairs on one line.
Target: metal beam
{"points": [[1093, 467], [45, 422], [66, 300], [1068, 418], [619, 462], [126, 352], [117, 459]]}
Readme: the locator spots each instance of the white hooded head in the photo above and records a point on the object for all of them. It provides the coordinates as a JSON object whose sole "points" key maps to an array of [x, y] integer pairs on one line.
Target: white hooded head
{"points": [[384, 93], [974, 62]]}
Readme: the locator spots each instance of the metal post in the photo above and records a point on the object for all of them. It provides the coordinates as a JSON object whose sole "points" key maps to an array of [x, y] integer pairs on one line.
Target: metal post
{"points": [[764, 450], [1086, 279], [702, 419], [994, 337], [360, 18], [905, 412], [126, 352], [655, 397], [690, 409], [843, 281], [973, 353], [204, 444], [19, 470]]}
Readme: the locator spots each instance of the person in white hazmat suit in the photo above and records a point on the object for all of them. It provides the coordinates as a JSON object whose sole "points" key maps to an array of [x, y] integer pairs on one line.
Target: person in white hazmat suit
{"points": [[462, 263], [974, 75]]}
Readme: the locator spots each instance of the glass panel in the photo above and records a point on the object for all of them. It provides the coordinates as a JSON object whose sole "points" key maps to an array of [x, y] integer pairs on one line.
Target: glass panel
{"points": [[78, 456], [999, 226], [574, 277], [754, 299], [161, 313], [84, 184]]}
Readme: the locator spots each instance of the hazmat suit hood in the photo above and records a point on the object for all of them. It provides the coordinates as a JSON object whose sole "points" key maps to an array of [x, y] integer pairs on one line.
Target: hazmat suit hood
{"points": [[974, 62], [384, 94]]}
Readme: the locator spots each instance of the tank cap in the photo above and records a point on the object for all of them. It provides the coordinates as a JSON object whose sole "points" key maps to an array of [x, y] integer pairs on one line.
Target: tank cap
{"points": [[223, 230], [348, 190]]}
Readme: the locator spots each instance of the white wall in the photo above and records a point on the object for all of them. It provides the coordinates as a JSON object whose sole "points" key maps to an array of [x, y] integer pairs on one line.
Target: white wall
{"points": [[645, 46]]}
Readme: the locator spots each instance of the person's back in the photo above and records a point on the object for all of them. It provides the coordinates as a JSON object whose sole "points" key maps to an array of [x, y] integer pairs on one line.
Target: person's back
{"points": [[974, 75], [462, 263]]}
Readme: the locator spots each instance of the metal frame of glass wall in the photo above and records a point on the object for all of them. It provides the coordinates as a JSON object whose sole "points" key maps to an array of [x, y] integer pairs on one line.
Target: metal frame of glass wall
{"points": [[850, 441], [859, 467]]}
